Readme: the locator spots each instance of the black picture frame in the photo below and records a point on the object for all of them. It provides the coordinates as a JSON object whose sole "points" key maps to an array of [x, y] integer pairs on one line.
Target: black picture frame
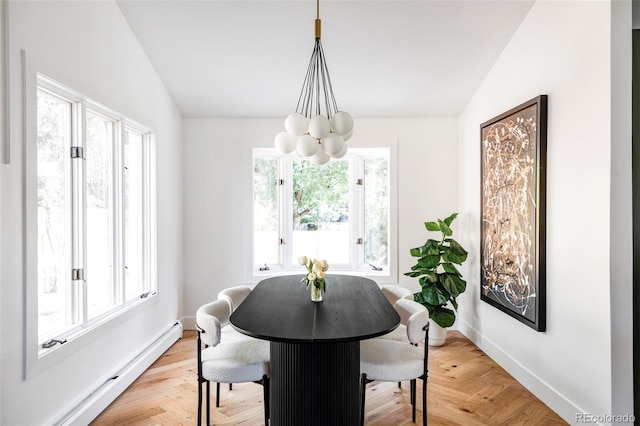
{"points": [[513, 206]]}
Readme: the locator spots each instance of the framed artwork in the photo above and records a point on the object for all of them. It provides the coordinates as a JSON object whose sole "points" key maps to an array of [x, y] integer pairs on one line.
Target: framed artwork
{"points": [[513, 187]]}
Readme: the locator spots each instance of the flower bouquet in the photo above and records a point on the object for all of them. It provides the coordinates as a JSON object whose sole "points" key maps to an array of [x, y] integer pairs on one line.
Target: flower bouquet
{"points": [[316, 272]]}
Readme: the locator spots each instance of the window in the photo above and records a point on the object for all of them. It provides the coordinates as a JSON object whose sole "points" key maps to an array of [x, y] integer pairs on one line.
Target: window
{"points": [[339, 211], [94, 212]]}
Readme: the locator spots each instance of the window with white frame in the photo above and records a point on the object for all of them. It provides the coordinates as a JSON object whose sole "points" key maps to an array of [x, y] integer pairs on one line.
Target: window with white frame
{"points": [[94, 213], [339, 211]]}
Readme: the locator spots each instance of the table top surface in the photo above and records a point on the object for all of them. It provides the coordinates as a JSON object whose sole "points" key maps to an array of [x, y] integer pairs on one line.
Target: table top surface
{"points": [[280, 309]]}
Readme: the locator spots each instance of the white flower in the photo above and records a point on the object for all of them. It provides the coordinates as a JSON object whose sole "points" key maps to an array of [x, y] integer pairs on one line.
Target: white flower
{"points": [[321, 275], [311, 276], [317, 267], [324, 264], [303, 260]]}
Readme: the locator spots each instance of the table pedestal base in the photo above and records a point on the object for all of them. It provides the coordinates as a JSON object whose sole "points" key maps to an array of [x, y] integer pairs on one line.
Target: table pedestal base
{"points": [[315, 384]]}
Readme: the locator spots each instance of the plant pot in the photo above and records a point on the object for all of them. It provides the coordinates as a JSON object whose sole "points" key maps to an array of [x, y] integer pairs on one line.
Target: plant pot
{"points": [[437, 334]]}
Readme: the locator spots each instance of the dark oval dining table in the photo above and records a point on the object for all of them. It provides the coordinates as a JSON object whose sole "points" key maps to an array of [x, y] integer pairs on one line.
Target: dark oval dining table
{"points": [[315, 346]]}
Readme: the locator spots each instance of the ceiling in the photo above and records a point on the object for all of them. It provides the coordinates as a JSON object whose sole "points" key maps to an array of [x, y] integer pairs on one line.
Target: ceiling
{"points": [[386, 58]]}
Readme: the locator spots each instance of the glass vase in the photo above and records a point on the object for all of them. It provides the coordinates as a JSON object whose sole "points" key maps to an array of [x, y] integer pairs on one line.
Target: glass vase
{"points": [[316, 293]]}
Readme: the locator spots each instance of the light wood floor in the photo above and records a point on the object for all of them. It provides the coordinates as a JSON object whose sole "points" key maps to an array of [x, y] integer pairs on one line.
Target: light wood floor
{"points": [[465, 387]]}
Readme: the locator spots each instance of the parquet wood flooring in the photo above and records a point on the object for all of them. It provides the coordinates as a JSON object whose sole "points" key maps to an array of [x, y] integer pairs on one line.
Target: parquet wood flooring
{"points": [[465, 387]]}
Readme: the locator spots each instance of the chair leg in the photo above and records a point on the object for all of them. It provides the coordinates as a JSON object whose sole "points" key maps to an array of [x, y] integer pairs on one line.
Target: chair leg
{"points": [[230, 386], [265, 390], [414, 395], [208, 385], [199, 402], [424, 402], [363, 392], [399, 385], [217, 394]]}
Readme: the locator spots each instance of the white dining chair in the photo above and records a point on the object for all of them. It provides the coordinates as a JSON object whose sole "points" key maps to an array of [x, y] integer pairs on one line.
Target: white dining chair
{"points": [[393, 293], [238, 361], [389, 360], [234, 296]]}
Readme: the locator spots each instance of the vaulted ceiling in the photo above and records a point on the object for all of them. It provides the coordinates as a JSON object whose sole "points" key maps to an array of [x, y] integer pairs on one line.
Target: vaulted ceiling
{"points": [[386, 58]]}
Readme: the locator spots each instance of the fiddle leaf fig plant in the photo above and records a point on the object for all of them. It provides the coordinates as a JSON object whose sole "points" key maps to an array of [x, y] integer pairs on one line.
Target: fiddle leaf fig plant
{"points": [[440, 280]]}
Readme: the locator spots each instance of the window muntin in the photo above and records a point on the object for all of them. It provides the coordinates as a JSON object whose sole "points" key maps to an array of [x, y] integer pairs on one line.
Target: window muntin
{"points": [[102, 226], [330, 222]]}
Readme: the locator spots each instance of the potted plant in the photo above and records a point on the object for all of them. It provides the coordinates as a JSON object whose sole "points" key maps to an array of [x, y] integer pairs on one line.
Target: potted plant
{"points": [[440, 280]]}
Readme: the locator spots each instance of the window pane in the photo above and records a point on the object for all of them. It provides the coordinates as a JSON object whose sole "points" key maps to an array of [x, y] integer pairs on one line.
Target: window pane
{"points": [[54, 251], [321, 211], [376, 211], [99, 271], [265, 211], [132, 187]]}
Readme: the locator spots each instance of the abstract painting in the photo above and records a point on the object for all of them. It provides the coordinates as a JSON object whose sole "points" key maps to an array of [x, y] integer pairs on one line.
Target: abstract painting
{"points": [[513, 186]]}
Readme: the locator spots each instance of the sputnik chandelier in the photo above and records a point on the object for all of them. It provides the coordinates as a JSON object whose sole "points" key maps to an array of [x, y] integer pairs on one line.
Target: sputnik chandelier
{"points": [[310, 132]]}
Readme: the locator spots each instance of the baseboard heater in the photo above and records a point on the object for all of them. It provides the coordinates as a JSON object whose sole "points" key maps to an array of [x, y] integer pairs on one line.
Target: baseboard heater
{"points": [[91, 406]]}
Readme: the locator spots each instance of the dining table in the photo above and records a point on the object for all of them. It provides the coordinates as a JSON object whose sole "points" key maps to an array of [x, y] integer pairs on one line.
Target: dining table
{"points": [[315, 346]]}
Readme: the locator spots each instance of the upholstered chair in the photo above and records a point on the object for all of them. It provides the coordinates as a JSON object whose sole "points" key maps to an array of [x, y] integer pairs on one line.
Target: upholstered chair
{"points": [[234, 296], [393, 293], [227, 362], [389, 360]]}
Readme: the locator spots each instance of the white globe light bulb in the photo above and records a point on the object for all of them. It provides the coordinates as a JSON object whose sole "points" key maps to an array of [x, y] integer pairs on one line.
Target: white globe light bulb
{"points": [[296, 124], [332, 144], [347, 136], [320, 158], [319, 126], [342, 122], [285, 142], [341, 153], [306, 145]]}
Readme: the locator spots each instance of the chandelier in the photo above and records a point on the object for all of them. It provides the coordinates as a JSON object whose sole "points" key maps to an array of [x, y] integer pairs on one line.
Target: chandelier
{"points": [[316, 130]]}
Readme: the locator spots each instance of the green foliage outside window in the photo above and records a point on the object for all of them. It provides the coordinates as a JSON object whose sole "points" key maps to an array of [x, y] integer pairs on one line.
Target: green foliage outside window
{"points": [[320, 193]]}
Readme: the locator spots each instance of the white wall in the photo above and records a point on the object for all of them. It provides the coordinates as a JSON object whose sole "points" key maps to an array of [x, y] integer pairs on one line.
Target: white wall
{"points": [[217, 176], [88, 47], [562, 49], [3, 127]]}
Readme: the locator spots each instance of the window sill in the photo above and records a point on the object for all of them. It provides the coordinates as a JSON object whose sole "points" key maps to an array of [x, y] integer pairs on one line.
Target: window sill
{"points": [[46, 358], [380, 277]]}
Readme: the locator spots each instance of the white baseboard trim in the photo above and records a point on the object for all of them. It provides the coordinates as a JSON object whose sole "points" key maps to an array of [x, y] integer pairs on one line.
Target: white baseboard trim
{"points": [[89, 408], [189, 323], [545, 392]]}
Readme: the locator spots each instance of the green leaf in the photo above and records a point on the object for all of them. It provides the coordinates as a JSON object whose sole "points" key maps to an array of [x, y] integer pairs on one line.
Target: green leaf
{"points": [[449, 256], [416, 252], [450, 268], [444, 317], [432, 247], [461, 284], [450, 219], [456, 248], [428, 275], [445, 228], [419, 298], [433, 296], [432, 226], [413, 274], [430, 261], [453, 284]]}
